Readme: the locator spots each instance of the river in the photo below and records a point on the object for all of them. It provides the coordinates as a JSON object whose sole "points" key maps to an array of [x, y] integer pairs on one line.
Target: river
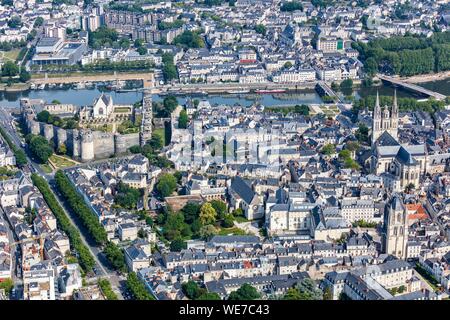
{"points": [[87, 96]]}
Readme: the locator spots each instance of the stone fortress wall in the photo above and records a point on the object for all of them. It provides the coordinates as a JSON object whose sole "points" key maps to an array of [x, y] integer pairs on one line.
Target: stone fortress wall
{"points": [[84, 144], [87, 144]]}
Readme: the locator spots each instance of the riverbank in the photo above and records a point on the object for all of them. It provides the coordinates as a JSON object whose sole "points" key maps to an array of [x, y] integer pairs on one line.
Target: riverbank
{"points": [[427, 77], [15, 87]]}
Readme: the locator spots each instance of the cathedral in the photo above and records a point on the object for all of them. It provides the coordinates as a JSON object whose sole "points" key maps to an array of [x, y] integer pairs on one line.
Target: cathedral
{"points": [[399, 165]]}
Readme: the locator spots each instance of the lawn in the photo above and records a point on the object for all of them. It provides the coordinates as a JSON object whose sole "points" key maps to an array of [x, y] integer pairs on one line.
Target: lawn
{"points": [[61, 162], [46, 168], [233, 230], [160, 131], [240, 219], [10, 55], [122, 110]]}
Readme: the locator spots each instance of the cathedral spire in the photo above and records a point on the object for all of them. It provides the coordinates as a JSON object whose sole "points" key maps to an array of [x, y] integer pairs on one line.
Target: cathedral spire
{"points": [[377, 109], [395, 106]]}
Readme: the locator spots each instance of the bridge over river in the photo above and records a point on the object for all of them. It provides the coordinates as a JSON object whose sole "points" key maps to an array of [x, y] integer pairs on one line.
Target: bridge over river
{"points": [[412, 87]]}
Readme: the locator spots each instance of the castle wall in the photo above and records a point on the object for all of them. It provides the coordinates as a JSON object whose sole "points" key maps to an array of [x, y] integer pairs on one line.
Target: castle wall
{"points": [[159, 123], [48, 131], [75, 146], [85, 145], [33, 127], [104, 145], [123, 142], [61, 137]]}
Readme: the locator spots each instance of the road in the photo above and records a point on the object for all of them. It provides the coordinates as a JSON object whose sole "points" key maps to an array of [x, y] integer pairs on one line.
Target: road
{"points": [[102, 266]]}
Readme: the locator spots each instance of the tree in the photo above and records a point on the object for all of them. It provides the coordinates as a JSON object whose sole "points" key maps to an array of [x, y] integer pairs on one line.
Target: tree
{"points": [[40, 148], [352, 146], [62, 149], [292, 294], [15, 22], [177, 245], [115, 256], [169, 70], [10, 69], [245, 292], [191, 211], [7, 2], [189, 39], [344, 154], [142, 233], [362, 134], [135, 149], [346, 84], [328, 149], [228, 221], [207, 214], [287, 65], [183, 119], [192, 290], [7, 285], [43, 116], [175, 227], [209, 296], [220, 207], [305, 290], [351, 164], [308, 290], [137, 288], [302, 109], [261, 29], [327, 295], [166, 185], [170, 103], [238, 212], [38, 22], [24, 75], [156, 141], [142, 51], [21, 158], [207, 231], [291, 6], [127, 197]]}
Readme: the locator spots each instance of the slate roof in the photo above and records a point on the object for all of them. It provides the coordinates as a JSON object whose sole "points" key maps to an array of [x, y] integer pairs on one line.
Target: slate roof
{"points": [[242, 189], [405, 157]]}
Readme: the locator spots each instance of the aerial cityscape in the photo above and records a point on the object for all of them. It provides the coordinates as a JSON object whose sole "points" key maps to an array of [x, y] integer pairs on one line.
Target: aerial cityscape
{"points": [[224, 150]]}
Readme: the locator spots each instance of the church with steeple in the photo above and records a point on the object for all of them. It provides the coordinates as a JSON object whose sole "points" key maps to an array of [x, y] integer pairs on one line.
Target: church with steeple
{"points": [[398, 164], [385, 120]]}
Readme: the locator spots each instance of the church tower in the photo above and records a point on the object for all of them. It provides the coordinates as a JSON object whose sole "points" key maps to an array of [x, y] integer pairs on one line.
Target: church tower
{"points": [[385, 120], [395, 233], [376, 125], [394, 117]]}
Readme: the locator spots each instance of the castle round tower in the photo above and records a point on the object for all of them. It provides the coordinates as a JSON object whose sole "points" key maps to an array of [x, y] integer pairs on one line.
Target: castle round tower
{"points": [[120, 144], [48, 132], [34, 127], [87, 145]]}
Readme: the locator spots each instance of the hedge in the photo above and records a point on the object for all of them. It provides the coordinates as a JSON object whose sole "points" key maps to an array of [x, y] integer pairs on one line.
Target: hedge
{"points": [[77, 204], [21, 158], [137, 288], [105, 286]]}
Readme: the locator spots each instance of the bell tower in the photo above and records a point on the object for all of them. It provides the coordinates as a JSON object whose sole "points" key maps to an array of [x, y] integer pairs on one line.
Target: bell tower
{"points": [[395, 234], [376, 123]]}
